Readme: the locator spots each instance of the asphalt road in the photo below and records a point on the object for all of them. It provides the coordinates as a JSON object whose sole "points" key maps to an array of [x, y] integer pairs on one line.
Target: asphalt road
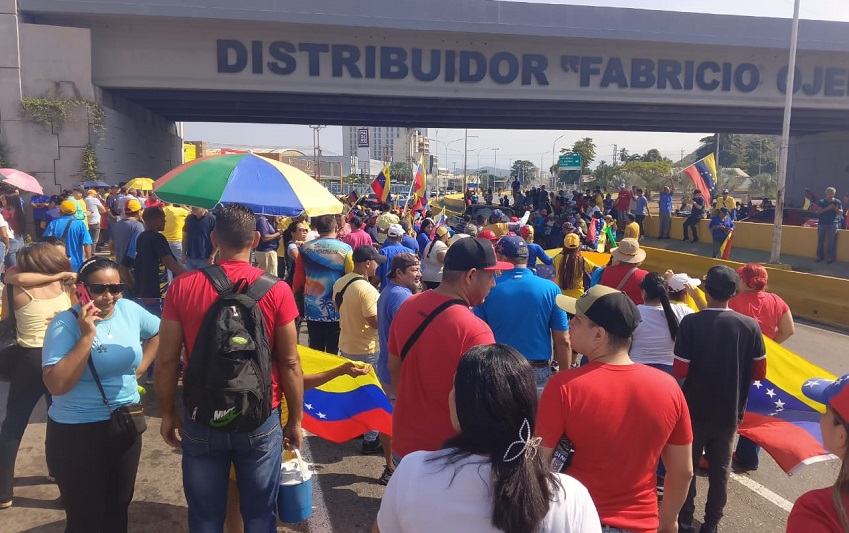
{"points": [[348, 495]]}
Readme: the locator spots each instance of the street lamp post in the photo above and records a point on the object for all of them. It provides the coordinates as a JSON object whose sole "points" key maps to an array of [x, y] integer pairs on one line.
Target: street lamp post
{"points": [[552, 159], [775, 254]]}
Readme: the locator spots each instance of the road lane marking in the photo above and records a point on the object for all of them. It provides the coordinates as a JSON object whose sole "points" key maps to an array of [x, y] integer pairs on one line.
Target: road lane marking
{"points": [[320, 517], [762, 491]]}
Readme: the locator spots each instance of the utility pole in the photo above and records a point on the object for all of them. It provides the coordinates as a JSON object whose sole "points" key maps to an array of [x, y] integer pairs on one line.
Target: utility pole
{"points": [[465, 160], [682, 154], [615, 155], [316, 152]]}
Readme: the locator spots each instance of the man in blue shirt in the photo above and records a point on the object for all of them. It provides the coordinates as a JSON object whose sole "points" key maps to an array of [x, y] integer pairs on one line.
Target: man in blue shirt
{"points": [[641, 211], [720, 226], [522, 312], [405, 274], [73, 232], [40, 204], [198, 250], [665, 209], [391, 246], [407, 240], [265, 254]]}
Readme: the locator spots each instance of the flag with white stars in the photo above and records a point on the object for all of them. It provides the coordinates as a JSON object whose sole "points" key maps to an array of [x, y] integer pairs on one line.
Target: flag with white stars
{"points": [[779, 417], [703, 175], [344, 407]]}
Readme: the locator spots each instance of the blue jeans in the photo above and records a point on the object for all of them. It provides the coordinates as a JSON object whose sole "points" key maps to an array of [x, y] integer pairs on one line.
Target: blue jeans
{"points": [[371, 359], [827, 250], [256, 456], [542, 375], [747, 453], [12, 253], [196, 264]]}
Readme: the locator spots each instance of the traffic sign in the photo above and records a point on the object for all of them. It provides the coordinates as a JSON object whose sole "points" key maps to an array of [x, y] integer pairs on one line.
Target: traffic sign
{"points": [[569, 162]]}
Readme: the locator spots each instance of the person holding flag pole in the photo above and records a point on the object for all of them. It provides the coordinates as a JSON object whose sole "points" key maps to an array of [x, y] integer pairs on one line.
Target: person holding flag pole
{"points": [[382, 184]]}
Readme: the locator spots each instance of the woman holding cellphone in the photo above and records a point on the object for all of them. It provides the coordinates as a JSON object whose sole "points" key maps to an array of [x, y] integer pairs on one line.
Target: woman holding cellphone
{"points": [[95, 471]]}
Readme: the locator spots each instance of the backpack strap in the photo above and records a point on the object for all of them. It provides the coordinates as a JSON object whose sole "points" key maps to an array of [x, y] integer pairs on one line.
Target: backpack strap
{"points": [[425, 323], [215, 274], [261, 286], [338, 299], [626, 278]]}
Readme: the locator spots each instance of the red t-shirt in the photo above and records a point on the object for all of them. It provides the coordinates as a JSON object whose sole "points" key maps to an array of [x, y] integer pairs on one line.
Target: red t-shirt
{"points": [[612, 277], [191, 294], [619, 419], [765, 307], [421, 420], [814, 512], [623, 201]]}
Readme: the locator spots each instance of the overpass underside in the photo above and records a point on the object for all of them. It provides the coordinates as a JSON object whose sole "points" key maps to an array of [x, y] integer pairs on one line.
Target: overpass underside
{"points": [[365, 110]]}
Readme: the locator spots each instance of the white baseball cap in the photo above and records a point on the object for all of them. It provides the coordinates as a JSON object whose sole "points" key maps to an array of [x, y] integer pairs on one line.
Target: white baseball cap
{"points": [[395, 230], [678, 282]]}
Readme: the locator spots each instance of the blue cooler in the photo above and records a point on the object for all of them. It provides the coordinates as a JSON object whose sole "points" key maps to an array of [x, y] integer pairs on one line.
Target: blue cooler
{"points": [[294, 498]]}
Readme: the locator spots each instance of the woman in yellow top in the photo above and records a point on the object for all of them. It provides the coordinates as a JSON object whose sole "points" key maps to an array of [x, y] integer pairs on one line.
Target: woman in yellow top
{"points": [[571, 265], [35, 292]]}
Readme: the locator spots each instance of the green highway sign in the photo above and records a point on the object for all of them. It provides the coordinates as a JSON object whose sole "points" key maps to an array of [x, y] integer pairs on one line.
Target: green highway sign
{"points": [[569, 162]]}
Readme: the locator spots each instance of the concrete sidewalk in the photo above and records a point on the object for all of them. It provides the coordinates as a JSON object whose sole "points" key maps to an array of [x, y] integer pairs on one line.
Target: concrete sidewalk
{"points": [[743, 255]]}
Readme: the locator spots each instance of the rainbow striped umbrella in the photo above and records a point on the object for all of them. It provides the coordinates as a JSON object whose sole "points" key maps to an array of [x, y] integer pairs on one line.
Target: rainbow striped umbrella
{"points": [[266, 186]]}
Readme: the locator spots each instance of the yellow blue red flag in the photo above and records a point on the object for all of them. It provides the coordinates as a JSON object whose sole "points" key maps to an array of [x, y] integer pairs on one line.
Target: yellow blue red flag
{"points": [[703, 175], [344, 407], [382, 184], [420, 180]]}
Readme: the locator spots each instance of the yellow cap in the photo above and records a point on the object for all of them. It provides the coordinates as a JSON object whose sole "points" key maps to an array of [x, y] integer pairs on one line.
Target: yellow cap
{"points": [[68, 207], [572, 241], [132, 206], [441, 231]]}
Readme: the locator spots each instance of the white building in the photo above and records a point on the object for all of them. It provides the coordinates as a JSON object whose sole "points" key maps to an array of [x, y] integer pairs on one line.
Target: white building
{"points": [[389, 144]]}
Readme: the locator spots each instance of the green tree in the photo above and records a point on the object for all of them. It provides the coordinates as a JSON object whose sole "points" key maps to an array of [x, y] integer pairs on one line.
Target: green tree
{"points": [[586, 149], [401, 172], [623, 155], [524, 170], [730, 149], [652, 156], [603, 173], [764, 184], [653, 174], [759, 156]]}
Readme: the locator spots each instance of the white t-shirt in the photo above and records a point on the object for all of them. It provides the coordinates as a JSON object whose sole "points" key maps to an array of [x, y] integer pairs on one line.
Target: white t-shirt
{"points": [[4, 224], [653, 345], [92, 205], [422, 497], [122, 203], [432, 270]]}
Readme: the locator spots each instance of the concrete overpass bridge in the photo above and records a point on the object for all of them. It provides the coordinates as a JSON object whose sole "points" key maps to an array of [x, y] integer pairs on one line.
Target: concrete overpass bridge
{"points": [[444, 63]]}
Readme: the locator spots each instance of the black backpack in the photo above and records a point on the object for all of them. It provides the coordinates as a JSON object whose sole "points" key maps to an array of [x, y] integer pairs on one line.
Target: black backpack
{"points": [[227, 384]]}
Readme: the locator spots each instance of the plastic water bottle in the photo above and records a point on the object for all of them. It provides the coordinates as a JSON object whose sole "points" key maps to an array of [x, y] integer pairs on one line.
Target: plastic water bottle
{"points": [[562, 457]]}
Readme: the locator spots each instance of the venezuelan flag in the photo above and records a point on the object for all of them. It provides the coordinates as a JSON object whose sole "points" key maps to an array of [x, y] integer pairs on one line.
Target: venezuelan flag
{"points": [[382, 183], [420, 180], [779, 417], [725, 249], [344, 407], [703, 175]]}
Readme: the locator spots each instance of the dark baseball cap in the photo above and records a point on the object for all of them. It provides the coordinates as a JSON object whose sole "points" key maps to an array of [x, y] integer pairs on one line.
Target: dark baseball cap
{"points": [[512, 246], [473, 252], [609, 308], [367, 253], [721, 282]]}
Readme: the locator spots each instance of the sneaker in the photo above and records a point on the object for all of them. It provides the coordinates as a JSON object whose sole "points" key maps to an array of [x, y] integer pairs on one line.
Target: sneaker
{"points": [[372, 447], [5, 505], [708, 528], [385, 476]]}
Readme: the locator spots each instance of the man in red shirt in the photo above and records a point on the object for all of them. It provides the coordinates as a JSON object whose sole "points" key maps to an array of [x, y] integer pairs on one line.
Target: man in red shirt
{"points": [[208, 453], [623, 205], [625, 273], [618, 436], [357, 236], [422, 366]]}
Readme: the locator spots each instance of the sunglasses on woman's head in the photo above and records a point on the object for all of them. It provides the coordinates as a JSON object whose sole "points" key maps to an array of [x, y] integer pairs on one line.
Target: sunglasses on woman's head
{"points": [[100, 288]]}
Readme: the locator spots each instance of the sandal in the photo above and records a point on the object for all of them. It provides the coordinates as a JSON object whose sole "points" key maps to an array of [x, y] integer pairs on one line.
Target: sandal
{"points": [[386, 476]]}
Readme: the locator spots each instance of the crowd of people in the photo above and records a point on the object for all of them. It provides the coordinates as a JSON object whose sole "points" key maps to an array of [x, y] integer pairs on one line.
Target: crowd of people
{"points": [[498, 359]]}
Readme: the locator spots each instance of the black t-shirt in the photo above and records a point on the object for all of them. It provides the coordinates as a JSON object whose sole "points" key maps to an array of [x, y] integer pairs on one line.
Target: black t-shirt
{"points": [[698, 207], [721, 346], [831, 216], [149, 271]]}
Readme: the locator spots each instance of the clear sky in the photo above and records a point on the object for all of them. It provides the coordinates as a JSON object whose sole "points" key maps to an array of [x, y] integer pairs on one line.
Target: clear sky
{"points": [[535, 146]]}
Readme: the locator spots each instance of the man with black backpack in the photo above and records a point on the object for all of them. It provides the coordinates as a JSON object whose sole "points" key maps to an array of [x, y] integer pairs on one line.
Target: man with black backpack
{"points": [[238, 371]]}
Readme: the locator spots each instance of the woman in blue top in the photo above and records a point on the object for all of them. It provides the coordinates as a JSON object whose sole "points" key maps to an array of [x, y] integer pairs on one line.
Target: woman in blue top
{"points": [[96, 473]]}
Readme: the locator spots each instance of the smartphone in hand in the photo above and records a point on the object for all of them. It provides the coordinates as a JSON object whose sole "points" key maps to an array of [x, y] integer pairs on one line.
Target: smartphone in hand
{"points": [[82, 295]]}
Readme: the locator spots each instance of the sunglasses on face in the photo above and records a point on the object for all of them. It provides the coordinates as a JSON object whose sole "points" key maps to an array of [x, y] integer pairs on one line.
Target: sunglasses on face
{"points": [[100, 288]]}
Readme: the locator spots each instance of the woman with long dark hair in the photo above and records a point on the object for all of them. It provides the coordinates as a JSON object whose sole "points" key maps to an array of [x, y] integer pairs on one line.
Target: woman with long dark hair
{"points": [[35, 291], [572, 268], [13, 212], [94, 467], [293, 237], [489, 477], [654, 338]]}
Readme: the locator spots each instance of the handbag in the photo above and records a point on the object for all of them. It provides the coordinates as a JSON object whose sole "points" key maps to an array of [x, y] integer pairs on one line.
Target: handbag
{"points": [[127, 421], [8, 338]]}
